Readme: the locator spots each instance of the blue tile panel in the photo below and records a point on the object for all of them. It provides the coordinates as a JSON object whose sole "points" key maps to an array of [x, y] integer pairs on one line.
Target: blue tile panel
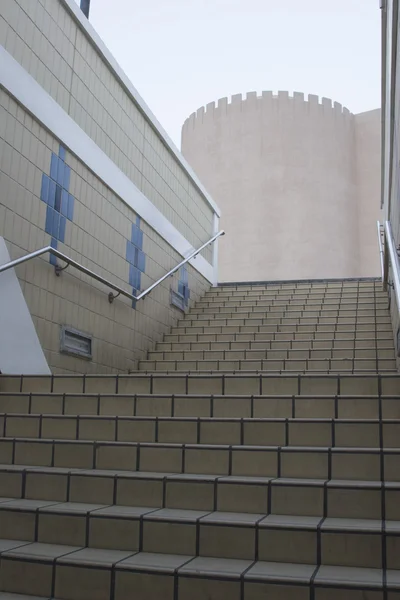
{"points": [[136, 258], [183, 284], [60, 203]]}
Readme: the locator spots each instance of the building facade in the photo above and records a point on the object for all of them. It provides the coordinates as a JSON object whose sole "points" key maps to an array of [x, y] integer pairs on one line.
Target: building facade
{"points": [[390, 152], [86, 168], [298, 182]]}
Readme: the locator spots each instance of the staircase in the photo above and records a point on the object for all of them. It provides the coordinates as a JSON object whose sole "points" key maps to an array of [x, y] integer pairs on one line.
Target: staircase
{"points": [[254, 456]]}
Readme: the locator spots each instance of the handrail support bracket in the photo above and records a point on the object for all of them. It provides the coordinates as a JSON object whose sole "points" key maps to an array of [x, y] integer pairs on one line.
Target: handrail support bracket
{"points": [[111, 297], [58, 270]]}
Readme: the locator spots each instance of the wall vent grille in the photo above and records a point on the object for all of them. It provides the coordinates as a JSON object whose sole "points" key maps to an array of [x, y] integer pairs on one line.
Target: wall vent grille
{"points": [[75, 342]]}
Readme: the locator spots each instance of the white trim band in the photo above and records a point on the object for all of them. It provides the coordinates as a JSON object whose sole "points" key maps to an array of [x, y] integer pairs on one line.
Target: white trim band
{"points": [[102, 49], [30, 94]]}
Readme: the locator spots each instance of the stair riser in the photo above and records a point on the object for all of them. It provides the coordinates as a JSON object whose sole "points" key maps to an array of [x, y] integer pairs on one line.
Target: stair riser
{"points": [[209, 431], [67, 581], [215, 384], [202, 537], [386, 346], [285, 312], [289, 354], [291, 327], [324, 365], [204, 406], [208, 460], [350, 301], [355, 500], [283, 336]]}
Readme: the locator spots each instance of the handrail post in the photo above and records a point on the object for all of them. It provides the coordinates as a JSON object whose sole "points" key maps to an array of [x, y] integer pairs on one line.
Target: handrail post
{"points": [[394, 261], [381, 253]]}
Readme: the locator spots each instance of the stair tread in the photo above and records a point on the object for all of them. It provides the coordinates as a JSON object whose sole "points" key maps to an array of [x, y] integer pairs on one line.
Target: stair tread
{"points": [[198, 566], [205, 446], [10, 596]]}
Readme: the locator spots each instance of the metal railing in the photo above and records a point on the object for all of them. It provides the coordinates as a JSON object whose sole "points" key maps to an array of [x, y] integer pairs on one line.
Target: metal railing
{"points": [[73, 263], [381, 232], [390, 257]]}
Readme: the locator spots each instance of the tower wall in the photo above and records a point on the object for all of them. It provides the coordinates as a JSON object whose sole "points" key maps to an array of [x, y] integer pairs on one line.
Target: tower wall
{"points": [[285, 173]]}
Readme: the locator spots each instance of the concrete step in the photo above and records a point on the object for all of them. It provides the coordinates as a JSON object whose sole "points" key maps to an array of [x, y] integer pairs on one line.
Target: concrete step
{"points": [[288, 294], [324, 309], [218, 406], [293, 304], [322, 352], [325, 365], [339, 335], [356, 433], [233, 535], [198, 384], [347, 499], [368, 464], [280, 318], [310, 345], [326, 328], [75, 573], [293, 299]]}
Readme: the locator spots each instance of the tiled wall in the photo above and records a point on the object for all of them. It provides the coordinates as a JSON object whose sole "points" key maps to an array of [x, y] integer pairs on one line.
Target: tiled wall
{"points": [[46, 39], [42, 186]]}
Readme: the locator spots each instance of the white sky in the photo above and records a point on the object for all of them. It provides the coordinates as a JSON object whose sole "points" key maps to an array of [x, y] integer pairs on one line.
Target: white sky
{"points": [[182, 54]]}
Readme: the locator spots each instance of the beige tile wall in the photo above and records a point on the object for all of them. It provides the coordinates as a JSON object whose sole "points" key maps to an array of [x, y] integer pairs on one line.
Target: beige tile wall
{"points": [[45, 38], [96, 238]]}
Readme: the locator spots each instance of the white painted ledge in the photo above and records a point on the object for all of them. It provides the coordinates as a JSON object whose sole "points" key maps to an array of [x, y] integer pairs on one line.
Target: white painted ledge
{"points": [[20, 349]]}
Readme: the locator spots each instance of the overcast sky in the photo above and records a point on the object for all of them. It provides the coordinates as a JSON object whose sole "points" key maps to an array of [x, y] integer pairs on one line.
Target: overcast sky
{"points": [[182, 54]]}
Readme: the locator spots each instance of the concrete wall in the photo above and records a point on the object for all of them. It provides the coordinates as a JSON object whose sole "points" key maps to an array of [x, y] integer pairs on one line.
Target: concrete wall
{"points": [[367, 128], [66, 107], [291, 185]]}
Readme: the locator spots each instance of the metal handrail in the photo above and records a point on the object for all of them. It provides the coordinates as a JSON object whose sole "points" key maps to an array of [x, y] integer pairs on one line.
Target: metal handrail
{"points": [[394, 261], [381, 252], [116, 288]]}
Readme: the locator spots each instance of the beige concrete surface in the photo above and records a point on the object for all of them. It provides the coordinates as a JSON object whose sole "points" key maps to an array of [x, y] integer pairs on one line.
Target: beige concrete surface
{"points": [[297, 181]]}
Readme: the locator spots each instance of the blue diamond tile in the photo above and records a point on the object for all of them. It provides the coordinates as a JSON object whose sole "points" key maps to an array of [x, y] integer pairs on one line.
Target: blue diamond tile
{"points": [[49, 220], [135, 257], [140, 240], [64, 203], [44, 192], [137, 237], [130, 252], [54, 167], [60, 172], [183, 284], [141, 261], [57, 203], [56, 224], [134, 277], [51, 198], [55, 192]]}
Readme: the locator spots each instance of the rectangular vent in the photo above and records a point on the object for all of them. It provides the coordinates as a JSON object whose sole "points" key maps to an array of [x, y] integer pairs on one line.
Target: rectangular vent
{"points": [[75, 342], [178, 300]]}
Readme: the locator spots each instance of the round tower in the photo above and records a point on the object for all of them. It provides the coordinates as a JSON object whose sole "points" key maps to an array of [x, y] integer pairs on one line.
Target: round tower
{"points": [[283, 170]]}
